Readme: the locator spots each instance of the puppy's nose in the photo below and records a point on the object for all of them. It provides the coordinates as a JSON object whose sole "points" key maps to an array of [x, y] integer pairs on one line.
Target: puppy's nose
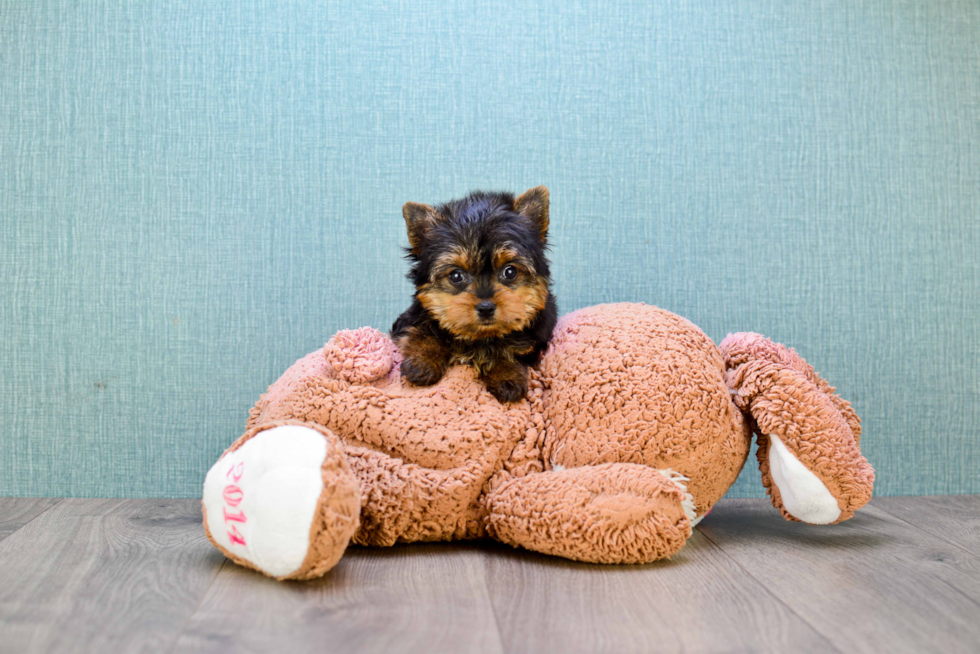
{"points": [[485, 309]]}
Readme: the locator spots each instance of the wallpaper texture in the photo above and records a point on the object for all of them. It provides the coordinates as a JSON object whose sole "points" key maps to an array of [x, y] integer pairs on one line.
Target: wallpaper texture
{"points": [[194, 195]]}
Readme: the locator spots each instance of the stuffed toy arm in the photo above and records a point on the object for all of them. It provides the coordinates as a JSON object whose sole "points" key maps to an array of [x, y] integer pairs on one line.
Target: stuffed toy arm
{"points": [[609, 513], [808, 436]]}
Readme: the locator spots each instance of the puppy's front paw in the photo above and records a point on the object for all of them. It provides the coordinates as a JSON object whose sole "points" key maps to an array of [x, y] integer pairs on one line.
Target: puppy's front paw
{"points": [[508, 390], [421, 372]]}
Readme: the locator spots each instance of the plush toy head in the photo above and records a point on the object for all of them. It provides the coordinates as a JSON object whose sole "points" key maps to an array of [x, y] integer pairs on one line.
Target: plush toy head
{"points": [[634, 426]]}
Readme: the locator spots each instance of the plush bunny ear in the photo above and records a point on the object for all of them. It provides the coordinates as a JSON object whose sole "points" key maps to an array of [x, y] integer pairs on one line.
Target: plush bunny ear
{"points": [[533, 204], [418, 218]]}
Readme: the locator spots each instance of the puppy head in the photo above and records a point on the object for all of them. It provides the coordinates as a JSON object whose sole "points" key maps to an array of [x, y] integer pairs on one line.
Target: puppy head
{"points": [[479, 264]]}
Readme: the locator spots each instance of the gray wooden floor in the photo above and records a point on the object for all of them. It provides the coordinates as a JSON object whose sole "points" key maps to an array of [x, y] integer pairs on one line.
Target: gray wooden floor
{"points": [[138, 575]]}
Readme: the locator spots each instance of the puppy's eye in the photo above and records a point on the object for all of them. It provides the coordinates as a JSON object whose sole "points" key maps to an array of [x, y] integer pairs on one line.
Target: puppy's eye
{"points": [[509, 273], [456, 277]]}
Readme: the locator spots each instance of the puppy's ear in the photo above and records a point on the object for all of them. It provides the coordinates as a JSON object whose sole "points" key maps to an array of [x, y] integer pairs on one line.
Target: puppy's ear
{"points": [[534, 205], [418, 218]]}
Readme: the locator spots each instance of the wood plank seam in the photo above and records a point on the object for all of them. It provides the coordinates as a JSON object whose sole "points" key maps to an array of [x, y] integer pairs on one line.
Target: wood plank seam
{"points": [[928, 532], [58, 500], [190, 616], [765, 586]]}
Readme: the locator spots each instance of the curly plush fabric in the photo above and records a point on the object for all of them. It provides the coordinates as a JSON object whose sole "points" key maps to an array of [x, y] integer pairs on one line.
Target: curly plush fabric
{"points": [[786, 398], [637, 384], [609, 513], [635, 424], [359, 355]]}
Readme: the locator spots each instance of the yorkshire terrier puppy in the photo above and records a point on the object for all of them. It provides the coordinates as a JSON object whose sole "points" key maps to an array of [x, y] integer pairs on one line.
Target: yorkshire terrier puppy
{"points": [[482, 290]]}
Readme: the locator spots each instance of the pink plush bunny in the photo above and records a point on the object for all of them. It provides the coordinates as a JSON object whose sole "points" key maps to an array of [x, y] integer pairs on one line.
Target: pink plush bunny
{"points": [[634, 426]]}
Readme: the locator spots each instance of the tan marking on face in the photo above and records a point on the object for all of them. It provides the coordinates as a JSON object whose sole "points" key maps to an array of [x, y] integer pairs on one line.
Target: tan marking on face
{"points": [[456, 312], [504, 255], [435, 300], [456, 257], [445, 306], [517, 306]]}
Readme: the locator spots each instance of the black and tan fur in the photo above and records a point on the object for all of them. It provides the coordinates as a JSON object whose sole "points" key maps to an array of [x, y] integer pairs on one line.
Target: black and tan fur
{"points": [[483, 295]]}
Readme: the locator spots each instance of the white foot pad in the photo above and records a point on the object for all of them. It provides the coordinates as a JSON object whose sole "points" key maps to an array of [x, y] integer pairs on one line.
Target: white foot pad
{"points": [[804, 496], [262, 497]]}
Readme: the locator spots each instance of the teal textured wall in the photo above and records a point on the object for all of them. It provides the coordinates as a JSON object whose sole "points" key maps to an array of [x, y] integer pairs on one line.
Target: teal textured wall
{"points": [[193, 195]]}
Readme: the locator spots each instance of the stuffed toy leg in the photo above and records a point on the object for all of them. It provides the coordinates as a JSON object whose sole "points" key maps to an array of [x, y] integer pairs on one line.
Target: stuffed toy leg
{"points": [[808, 436], [288, 497], [283, 500]]}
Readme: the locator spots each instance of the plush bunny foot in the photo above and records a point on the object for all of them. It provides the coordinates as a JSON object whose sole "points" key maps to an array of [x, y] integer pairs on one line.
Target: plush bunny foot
{"points": [[609, 513], [282, 500], [803, 495], [808, 435]]}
